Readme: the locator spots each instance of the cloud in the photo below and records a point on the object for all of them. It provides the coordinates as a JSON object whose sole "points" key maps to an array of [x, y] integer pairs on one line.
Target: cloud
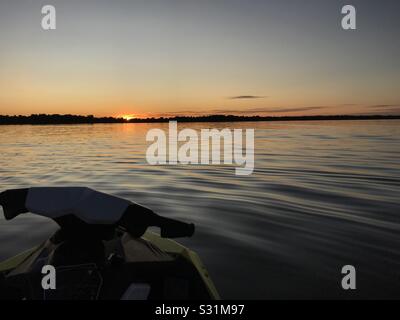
{"points": [[378, 106], [296, 109], [265, 110], [246, 97], [389, 111], [248, 111], [382, 109]]}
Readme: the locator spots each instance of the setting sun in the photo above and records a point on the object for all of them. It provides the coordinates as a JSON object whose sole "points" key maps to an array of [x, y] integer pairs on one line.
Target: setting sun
{"points": [[128, 116]]}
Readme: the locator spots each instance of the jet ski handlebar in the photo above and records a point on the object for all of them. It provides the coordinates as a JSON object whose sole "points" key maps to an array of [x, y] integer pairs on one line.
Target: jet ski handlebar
{"points": [[137, 219], [80, 208]]}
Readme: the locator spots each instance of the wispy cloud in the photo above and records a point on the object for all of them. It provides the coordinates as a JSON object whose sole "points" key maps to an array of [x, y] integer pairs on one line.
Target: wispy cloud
{"points": [[246, 97], [379, 106], [266, 110], [262, 111], [389, 111], [283, 110], [247, 111]]}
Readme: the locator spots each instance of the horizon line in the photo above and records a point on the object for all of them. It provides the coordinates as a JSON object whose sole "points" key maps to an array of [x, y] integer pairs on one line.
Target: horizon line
{"points": [[91, 119]]}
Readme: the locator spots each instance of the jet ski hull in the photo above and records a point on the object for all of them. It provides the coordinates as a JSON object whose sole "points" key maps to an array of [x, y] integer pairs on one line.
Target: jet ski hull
{"points": [[150, 254]]}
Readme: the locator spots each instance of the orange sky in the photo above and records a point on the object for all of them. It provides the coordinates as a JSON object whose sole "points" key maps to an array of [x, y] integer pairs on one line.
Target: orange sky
{"points": [[202, 58]]}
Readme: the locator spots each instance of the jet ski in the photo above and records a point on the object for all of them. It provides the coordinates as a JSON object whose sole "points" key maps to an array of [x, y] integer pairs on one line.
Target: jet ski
{"points": [[103, 250]]}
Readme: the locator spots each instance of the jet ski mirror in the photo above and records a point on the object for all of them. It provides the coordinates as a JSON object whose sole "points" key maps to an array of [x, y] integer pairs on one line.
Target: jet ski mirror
{"points": [[13, 202], [82, 211]]}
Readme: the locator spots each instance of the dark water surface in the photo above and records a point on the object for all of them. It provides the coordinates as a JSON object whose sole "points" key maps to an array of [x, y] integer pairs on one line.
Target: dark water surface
{"points": [[323, 195]]}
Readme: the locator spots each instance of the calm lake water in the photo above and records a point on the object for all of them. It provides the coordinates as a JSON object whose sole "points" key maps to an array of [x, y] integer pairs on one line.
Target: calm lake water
{"points": [[323, 195]]}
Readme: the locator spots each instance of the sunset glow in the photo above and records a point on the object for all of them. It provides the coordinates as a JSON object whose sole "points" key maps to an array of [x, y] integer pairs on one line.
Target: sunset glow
{"points": [[128, 116]]}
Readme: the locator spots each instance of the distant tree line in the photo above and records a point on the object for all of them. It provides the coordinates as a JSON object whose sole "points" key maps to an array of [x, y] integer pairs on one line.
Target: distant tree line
{"points": [[90, 119], [57, 119]]}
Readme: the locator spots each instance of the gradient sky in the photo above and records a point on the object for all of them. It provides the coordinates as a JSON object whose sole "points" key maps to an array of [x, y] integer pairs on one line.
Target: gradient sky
{"points": [[168, 57]]}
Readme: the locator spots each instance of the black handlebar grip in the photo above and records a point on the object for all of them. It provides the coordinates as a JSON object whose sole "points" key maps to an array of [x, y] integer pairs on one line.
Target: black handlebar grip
{"points": [[136, 219], [13, 202], [171, 228]]}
